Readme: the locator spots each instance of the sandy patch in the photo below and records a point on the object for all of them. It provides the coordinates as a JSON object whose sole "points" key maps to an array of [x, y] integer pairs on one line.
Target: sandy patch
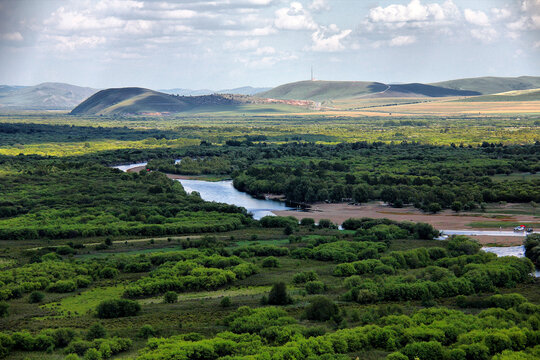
{"points": [[446, 220]]}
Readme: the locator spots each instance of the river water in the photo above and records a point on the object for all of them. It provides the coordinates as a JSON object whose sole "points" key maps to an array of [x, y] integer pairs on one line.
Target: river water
{"points": [[224, 192]]}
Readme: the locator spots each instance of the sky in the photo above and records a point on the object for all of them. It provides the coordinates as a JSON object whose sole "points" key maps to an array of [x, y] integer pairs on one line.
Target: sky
{"points": [[220, 44]]}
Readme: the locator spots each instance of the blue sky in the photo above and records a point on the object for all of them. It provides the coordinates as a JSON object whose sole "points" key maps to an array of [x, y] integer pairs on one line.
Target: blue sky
{"points": [[219, 44]]}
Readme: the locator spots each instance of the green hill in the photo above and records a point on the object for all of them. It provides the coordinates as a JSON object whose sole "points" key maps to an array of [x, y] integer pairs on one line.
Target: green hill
{"points": [[334, 90], [323, 90], [138, 100], [516, 95], [492, 85], [129, 100]]}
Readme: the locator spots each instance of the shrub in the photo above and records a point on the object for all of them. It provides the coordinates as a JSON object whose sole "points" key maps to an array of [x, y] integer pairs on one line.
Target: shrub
{"points": [[315, 287], [307, 222], [92, 354], [432, 350], [146, 331], [109, 309], [278, 295], [225, 302], [96, 331], [326, 224], [108, 273], [321, 308], [170, 297], [62, 286], [270, 262], [35, 297], [305, 276]]}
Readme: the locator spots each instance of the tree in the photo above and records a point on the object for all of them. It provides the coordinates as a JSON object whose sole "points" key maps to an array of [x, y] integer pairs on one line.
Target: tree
{"points": [[96, 331], [35, 297], [434, 208], [307, 222], [115, 308], [278, 295], [321, 308], [456, 206], [170, 297], [146, 331], [270, 262], [225, 302]]}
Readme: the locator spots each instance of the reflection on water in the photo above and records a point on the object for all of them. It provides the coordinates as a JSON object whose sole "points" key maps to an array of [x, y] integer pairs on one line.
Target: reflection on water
{"points": [[517, 251], [224, 192]]}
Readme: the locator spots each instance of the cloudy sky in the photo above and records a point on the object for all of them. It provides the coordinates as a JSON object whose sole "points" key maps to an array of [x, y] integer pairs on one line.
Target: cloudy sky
{"points": [[219, 44]]}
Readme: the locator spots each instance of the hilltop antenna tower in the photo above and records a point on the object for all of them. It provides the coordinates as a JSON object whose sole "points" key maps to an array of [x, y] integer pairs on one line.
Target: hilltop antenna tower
{"points": [[312, 79]]}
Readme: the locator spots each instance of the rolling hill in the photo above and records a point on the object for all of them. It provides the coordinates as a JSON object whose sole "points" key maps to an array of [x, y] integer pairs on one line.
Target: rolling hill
{"points": [[335, 90], [323, 90], [46, 96], [129, 100], [143, 101], [492, 85]]}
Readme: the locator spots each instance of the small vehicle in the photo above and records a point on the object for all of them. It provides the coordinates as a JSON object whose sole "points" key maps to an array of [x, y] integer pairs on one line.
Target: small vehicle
{"points": [[519, 228], [530, 230]]}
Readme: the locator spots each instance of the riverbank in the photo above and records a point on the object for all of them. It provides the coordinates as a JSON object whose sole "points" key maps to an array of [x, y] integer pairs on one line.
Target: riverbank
{"points": [[443, 220]]}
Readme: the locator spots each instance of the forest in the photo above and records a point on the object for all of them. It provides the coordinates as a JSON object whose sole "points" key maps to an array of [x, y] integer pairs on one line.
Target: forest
{"points": [[96, 263]]}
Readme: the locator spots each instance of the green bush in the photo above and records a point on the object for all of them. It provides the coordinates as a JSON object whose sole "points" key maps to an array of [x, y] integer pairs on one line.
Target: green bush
{"points": [[225, 302], [146, 331], [116, 308], [304, 276], [170, 297], [35, 297], [270, 262], [278, 295], [96, 331], [321, 308], [315, 287], [62, 286]]}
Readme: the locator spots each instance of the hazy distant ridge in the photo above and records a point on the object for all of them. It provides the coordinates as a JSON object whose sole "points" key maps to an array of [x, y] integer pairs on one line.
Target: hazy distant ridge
{"points": [[46, 96]]}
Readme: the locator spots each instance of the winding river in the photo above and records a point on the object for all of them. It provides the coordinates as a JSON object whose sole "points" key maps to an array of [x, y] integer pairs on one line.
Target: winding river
{"points": [[224, 192]]}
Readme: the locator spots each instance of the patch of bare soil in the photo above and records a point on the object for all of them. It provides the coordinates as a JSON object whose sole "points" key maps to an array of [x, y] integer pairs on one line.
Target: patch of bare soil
{"points": [[446, 220]]}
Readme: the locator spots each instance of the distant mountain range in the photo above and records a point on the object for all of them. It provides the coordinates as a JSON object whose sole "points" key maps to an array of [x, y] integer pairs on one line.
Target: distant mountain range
{"points": [[334, 90], [59, 96], [46, 96]]}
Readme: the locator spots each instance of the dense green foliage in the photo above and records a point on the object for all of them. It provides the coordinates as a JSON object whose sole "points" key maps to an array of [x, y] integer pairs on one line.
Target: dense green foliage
{"points": [[67, 200]]}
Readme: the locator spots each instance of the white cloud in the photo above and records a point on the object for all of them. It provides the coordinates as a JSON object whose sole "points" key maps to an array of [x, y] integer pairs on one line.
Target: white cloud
{"points": [[70, 43], [485, 34], [241, 45], [264, 31], [402, 40], [324, 42], [266, 61], [478, 18], [295, 17], [414, 12], [265, 50], [501, 13], [319, 5], [14, 36]]}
